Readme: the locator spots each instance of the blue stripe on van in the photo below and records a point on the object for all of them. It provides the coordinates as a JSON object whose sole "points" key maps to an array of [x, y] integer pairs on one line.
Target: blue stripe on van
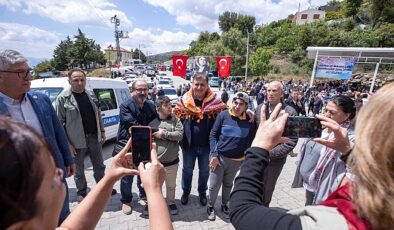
{"points": [[108, 121]]}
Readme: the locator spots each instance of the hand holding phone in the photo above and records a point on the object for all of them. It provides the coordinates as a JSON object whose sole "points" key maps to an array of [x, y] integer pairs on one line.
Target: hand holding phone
{"points": [[141, 147], [307, 127]]}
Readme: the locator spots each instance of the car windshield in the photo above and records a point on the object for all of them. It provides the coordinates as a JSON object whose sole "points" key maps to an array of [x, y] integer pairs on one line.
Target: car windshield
{"points": [[164, 82], [169, 91], [52, 93]]}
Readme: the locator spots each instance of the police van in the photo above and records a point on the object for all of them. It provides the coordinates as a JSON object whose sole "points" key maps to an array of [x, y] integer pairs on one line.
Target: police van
{"points": [[110, 93]]}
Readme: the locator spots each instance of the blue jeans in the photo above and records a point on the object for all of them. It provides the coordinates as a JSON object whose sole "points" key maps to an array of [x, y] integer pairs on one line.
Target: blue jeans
{"points": [[189, 159], [125, 188]]}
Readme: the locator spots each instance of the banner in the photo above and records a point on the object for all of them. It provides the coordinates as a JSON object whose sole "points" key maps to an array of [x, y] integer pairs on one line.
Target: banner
{"points": [[335, 67], [224, 66], [202, 64], [179, 65]]}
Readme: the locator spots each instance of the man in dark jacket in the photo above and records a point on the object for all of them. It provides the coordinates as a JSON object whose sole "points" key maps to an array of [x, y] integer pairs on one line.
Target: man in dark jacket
{"points": [[278, 155], [135, 111], [295, 102]]}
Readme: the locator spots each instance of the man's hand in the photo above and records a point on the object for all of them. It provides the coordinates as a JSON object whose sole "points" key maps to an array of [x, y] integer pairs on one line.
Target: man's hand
{"points": [[340, 142], [269, 132], [72, 151], [214, 163], [103, 138], [251, 115], [159, 134], [70, 170], [122, 164], [152, 174]]}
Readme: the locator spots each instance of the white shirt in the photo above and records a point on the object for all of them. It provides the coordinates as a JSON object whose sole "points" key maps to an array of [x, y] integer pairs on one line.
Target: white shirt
{"points": [[22, 111]]}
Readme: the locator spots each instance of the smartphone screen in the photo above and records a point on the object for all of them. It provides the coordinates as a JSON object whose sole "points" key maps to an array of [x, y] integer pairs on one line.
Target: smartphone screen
{"points": [[141, 137], [308, 127]]}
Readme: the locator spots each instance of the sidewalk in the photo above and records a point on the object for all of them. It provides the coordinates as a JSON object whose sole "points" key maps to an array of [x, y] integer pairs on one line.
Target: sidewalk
{"points": [[192, 216]]}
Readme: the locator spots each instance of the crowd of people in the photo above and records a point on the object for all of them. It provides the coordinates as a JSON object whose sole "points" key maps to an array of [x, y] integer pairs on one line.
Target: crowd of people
{"points": [[347, 172]]}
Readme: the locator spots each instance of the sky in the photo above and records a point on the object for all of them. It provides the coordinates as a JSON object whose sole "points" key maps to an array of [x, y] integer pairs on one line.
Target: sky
{"points": [[36, 27]]}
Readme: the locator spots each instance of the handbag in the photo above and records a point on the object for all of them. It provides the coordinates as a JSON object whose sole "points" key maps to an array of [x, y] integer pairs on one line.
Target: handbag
{"points": [[119, 145]]}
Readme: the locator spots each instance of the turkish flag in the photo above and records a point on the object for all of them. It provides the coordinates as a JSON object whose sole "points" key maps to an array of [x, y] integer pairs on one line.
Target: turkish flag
{"points": [[179, 65], [224, 66]]}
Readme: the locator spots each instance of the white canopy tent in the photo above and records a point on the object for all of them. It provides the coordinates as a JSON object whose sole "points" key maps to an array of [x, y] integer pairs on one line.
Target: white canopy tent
{"points": [[362, 55]]}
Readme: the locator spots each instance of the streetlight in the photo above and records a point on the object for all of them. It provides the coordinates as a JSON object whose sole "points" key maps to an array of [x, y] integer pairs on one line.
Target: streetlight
{"points": [[247, 55]]}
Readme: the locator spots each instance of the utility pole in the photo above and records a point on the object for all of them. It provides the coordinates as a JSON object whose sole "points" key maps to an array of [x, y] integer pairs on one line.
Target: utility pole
{"points": [[118, 35], [247, 56]]}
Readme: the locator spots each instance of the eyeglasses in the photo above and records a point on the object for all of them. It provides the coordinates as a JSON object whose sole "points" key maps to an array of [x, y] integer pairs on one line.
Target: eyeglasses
{"points": [[21, 74]]}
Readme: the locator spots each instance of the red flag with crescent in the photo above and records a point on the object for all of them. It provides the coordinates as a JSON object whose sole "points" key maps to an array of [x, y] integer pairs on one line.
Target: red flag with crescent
{"points": [[224, 66], [179, 65]]}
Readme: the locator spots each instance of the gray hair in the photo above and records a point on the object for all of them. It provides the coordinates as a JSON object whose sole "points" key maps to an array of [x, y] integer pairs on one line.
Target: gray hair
{"points": [[10, 57]]}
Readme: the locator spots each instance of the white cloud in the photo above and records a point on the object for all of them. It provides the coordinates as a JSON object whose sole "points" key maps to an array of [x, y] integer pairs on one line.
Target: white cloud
{"points": [[204, 16], [154, 41], [29, 40], [87, 12]]}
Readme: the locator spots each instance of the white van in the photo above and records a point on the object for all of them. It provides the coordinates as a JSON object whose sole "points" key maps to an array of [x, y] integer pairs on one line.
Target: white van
{"points": [[110, 93]]}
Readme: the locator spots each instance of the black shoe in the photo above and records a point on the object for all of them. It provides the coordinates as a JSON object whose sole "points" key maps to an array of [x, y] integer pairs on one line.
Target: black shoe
{"points": [[185, 198], [145, 212], [203, 199], [173, 209], [114, 192], [226, 211], [211, 213]]}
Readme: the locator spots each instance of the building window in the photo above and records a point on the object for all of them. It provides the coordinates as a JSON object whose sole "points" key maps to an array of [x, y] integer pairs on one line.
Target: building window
{"points": [[316, 16], [304, 16]]}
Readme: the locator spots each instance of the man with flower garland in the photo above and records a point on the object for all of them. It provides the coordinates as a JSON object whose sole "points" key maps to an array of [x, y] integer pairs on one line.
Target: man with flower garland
{"points": [[197, 110]]}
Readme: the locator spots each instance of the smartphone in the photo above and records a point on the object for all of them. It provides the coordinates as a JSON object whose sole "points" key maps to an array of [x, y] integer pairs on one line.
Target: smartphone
{"points": [[141, 137], [297, 126]]}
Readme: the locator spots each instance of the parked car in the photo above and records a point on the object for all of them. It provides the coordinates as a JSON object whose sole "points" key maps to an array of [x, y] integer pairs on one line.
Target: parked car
{"points": [[164, 84], [171, 93], [214, 82]]}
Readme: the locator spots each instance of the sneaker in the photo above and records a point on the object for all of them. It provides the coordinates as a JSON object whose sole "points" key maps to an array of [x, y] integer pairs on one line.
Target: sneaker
{"points": [[127, 208], [203, 199], [185, 198], [80, 197], [211, 213], [145, 212], [226, 211], [114, 192], [173, 209]]}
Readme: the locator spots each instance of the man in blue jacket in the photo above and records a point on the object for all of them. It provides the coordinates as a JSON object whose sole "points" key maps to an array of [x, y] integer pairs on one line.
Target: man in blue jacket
{"points": [[34, 109]]}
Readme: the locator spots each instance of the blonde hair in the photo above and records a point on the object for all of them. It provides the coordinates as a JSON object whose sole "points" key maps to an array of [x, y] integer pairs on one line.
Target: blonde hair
{"points": [[373, 160]]}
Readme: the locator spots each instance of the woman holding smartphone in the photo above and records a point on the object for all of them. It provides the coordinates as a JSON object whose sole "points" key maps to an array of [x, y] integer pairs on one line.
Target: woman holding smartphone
{"points": [[320, 169]]}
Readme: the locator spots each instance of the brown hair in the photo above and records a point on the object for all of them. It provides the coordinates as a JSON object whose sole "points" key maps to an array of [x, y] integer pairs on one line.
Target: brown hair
{"points": [[21, 172], [71, 71], [373, 160], [199, 76]]}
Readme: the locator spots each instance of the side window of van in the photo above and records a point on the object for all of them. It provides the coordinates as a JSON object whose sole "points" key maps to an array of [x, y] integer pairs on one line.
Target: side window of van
{"points": [[106, 99]]}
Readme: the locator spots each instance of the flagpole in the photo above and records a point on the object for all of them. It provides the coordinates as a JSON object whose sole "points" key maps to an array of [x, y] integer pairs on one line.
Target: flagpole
{"points": [[247, 55]]}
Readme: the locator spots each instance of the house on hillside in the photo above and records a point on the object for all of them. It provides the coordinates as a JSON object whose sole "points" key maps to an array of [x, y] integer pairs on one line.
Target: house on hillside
{"points": [[110, 56], [308, 16]]}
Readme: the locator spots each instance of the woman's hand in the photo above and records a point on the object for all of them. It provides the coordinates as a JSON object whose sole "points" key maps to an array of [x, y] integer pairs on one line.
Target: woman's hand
{"points": [[269, 133], [122, 164], [152, 174], [340, 142]]}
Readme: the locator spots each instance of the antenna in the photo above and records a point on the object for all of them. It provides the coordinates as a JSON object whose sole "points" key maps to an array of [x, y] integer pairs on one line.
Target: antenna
{"points": [[118, 35]]}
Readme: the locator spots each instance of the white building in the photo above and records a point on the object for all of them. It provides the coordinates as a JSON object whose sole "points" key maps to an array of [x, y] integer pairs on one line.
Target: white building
{"points": [[308, 16]]}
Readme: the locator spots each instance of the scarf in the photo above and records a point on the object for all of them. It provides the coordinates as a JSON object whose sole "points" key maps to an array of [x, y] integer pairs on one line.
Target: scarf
{"points": [[341, 199], [328, 155], [186, 108]]}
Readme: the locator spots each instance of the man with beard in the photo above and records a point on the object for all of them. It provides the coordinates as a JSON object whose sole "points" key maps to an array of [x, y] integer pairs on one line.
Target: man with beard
{"points": [[135, 111]]}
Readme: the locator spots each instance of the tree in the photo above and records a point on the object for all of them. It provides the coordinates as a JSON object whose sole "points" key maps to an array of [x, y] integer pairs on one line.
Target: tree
{"points": [[352, 7], [227, 21], [43, 66], [62, 55], [233, 39], [259, 62], [137, 54], [305, 36], [286, 44], [203, 37], [380, 11], [245, 23]]}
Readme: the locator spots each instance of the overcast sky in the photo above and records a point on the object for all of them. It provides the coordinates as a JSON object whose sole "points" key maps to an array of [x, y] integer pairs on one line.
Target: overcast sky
{"points": [[35, 27]]}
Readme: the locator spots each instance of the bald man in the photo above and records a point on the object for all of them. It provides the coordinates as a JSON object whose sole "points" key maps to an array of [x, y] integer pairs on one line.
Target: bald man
{"points": [[278, 155]]}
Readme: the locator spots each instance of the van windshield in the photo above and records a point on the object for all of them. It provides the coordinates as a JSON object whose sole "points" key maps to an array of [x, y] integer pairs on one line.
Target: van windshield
{"points": [[52, 93]]}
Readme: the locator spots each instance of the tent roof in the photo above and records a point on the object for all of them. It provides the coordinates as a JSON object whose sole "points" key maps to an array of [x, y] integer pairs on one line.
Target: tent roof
{"points": [[362, 54]]}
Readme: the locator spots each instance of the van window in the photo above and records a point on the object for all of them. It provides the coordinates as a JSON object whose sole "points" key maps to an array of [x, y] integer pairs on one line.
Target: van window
{"points": [[52, 93], [106, 99]]}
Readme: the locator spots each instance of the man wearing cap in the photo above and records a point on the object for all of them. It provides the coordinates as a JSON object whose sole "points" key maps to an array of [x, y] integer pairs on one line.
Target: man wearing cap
{"points": [[231, 135]]}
